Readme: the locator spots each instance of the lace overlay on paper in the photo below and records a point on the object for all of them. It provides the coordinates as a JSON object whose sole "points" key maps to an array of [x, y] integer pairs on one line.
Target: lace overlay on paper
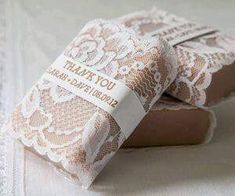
{"points": [[74, 133], [161, 23], [167, 102], [198, 58], [131, 59]]}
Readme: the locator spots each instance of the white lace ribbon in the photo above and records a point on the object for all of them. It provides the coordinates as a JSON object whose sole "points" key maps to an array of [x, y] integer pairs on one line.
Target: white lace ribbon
{"points": [[103, 91]]}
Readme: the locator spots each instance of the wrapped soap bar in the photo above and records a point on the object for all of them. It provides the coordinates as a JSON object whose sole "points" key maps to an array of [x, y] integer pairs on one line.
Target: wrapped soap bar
{"points": [[183, 129], [206, 57], [92, 97]]}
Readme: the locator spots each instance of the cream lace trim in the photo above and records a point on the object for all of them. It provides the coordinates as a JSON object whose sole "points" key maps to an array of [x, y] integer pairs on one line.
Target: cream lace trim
{"points": [[198, 58], [74, 134]]}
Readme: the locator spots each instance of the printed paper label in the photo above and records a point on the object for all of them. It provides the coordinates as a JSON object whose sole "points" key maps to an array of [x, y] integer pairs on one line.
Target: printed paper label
{"points": [[103, 91]]}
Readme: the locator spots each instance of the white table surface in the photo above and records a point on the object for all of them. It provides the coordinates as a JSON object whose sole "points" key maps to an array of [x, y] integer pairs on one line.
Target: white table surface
{"points": [[46, 26]]}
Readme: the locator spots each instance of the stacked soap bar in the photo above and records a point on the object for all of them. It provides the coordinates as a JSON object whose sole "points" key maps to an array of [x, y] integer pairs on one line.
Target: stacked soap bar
{"points": [[172, 122], [70, 118], [206, 57]]}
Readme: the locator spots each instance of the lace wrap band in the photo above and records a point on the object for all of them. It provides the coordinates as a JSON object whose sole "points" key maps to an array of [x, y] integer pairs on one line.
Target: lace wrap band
{"points": [[203, 55], [77, 135]]}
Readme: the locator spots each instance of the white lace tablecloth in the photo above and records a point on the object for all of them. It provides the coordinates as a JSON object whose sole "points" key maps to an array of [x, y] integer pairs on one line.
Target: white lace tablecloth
{"points": [[38, 31]]}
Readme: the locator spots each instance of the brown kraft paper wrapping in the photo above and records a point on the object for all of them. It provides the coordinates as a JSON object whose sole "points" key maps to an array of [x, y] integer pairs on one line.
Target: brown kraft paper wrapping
{"points": [[74, 134], [206, 57], [188, 125]]}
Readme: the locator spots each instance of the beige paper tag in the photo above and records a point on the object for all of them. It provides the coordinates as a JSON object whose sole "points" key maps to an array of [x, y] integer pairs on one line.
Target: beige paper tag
{"points": [[103, 91]]}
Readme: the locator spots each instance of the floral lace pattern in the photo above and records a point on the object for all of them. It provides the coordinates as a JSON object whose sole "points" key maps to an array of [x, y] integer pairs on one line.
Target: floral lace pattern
{"points": [[198, 58], [71, 132], [161, 23], [118, 52]]}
